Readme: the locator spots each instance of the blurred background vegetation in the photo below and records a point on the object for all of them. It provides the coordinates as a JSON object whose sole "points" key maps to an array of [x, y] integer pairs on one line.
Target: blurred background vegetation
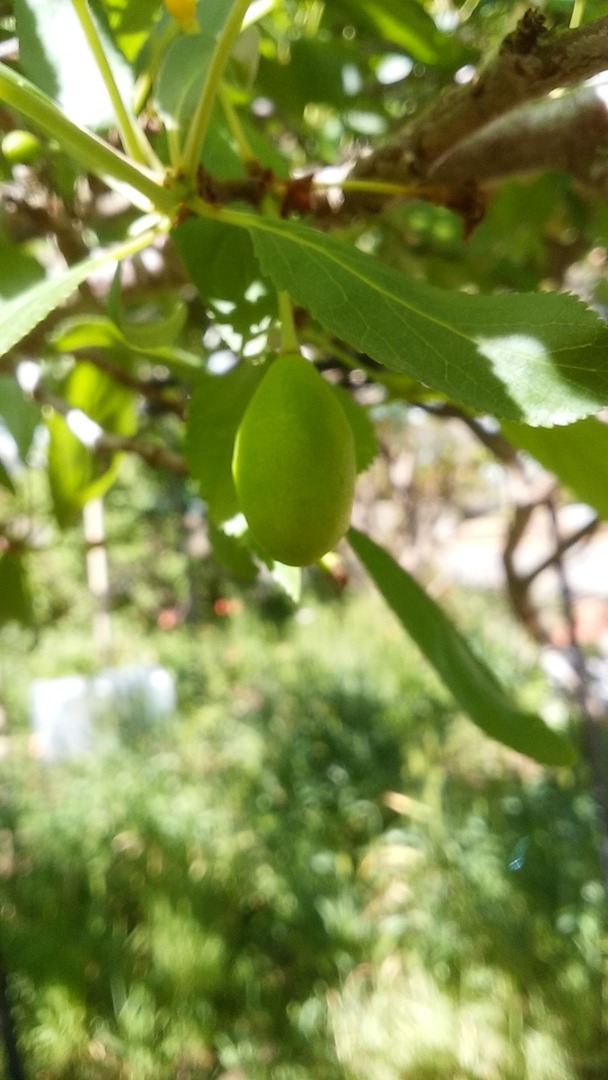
{"points": [[316, 868]]}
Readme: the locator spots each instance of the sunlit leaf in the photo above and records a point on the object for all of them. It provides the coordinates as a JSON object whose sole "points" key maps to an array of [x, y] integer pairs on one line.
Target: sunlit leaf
{"points": [[149, 330], [100, 332], [577, 454], [534, 358]]}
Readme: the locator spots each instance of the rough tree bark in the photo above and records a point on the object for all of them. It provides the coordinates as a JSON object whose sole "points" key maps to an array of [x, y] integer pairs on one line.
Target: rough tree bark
{"points": [[501, 122]]}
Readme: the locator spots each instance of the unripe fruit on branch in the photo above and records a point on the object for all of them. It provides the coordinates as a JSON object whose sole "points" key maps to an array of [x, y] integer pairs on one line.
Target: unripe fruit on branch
{"points": [[21, 147], [294, 463]]}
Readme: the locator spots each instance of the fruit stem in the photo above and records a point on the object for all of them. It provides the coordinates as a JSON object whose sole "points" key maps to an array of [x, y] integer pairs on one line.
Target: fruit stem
{"points": [[289, 337]]}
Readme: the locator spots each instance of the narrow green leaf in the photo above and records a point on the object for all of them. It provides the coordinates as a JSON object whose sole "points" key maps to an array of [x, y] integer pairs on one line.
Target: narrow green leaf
{"points": [[215, 412], [471, 682], [158, 330], [99, 332], [22, 313], [538, 358], [75, 474], [289, 579], [577, 454]]}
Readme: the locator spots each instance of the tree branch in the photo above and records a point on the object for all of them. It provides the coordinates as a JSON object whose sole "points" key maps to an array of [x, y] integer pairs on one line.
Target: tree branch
{"points": [[487, 128], [569, 132]]}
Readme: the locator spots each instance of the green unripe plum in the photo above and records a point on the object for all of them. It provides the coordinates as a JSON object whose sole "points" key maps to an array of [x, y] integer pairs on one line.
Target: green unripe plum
{"points": [[21, 147], [294, 463]]}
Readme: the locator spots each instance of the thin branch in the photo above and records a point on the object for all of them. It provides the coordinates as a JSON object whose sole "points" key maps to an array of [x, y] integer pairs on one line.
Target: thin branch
{"points": [[494, 441], [155, 454], [518, 589], [562, 546], [147, 390]]}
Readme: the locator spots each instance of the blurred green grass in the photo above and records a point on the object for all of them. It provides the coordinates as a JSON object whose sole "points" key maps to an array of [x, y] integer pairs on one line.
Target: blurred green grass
{"points": [[317, 869]]}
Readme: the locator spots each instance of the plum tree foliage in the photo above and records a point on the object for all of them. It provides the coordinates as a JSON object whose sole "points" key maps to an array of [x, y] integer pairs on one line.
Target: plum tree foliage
{"points": [[398, 189]]}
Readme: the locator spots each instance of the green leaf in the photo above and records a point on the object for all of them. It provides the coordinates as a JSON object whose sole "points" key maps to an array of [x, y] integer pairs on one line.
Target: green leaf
{"points": [[539, 358], [471, 682], [289, 579], [215, 412], [221, 263], [23, 312], [15, 596], [54, 54], [220, 260], [578, 455], [212, 15], [180, 79], [99, 332], [75, 474], [106, 402], [18, 415], [149, 330]]}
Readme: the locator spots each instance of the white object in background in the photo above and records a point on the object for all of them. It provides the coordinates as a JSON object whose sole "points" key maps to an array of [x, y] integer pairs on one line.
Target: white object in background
{"points": [[69, 716], [60, 717]]}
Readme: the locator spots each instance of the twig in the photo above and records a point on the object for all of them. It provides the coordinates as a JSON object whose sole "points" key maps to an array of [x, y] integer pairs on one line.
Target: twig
{"points": [[518, 588], [562, 545], [146, 390], [154, 454]]}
